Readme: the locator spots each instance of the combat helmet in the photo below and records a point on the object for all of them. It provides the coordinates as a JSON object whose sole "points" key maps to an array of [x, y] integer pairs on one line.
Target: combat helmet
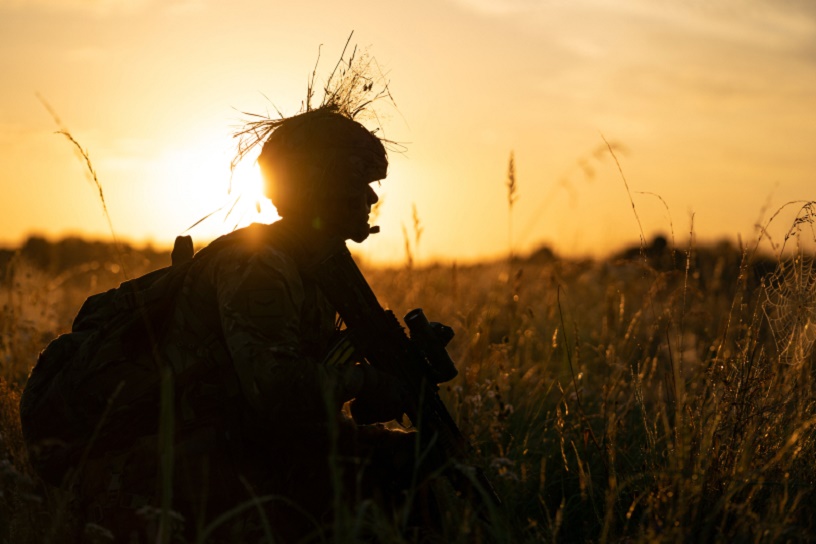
{"points": [[317, 154]]}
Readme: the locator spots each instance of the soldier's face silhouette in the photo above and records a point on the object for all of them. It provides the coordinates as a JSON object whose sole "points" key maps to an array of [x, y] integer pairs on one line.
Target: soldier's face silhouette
{"points": [[348, 215], [318, 167]]}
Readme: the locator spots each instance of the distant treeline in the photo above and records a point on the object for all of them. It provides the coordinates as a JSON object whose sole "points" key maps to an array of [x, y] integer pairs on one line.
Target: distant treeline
{"points": [[71, 252], [722, 258], [720, 261]]}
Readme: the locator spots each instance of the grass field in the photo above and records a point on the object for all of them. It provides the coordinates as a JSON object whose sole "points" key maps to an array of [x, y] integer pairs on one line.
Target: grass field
{"points": [[663, 397]]}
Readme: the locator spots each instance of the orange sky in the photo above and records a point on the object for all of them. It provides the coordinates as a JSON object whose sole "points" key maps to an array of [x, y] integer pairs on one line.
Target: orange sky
{"points": [[714, 108]]}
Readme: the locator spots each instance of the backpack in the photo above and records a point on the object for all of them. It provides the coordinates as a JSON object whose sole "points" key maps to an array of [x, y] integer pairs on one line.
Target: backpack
{"points": [[105, 375]]}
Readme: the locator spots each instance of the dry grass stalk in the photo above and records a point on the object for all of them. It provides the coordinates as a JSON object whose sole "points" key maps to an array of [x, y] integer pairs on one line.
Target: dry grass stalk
{"points": [[352, 89], [85, 157], [512, 196]]}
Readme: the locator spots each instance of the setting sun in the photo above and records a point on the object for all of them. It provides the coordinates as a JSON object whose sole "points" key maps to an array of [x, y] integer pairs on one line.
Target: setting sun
{"points": [[191, 190], [247, 190]]}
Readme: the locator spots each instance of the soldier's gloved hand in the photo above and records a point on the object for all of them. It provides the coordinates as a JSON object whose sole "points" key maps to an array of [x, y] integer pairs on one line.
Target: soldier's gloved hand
{"points": [[381, 398]]}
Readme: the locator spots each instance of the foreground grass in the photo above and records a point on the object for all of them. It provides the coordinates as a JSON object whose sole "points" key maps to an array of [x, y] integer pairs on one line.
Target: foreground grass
{"points": [[664, 398]]}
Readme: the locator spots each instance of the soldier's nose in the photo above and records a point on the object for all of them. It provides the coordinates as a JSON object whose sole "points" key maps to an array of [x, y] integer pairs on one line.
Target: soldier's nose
{"points": [[372, 196]]}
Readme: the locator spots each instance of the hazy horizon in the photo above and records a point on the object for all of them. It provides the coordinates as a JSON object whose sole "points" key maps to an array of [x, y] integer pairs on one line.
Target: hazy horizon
{"points": [[710, 107]]}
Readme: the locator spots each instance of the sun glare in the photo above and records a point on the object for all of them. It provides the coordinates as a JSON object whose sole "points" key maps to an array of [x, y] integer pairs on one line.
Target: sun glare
{"points": [[247, 189], [195, 185]]}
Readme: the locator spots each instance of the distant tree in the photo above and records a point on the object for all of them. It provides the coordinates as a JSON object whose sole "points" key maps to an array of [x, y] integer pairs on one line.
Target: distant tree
{"points": [[37, 250]]}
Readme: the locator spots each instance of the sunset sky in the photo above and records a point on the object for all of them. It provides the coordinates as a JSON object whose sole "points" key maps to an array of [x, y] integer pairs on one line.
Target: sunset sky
{"points": [[711, 107]]}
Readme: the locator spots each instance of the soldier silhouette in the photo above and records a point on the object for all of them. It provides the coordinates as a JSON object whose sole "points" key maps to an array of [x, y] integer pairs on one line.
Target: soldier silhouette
{"points": [[259, 370]]}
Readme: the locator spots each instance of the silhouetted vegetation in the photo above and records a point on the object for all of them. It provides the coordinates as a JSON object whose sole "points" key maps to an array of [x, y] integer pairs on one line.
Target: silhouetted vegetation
{"points": [[663, 394], [68, 253]]}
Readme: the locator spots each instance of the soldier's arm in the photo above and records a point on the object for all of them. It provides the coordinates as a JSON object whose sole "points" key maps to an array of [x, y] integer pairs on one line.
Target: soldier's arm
{"points": [[260, 298]]}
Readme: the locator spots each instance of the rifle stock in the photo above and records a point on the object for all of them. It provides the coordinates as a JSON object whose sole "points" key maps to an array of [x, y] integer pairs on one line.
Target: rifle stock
{"points": [[380, 338]]}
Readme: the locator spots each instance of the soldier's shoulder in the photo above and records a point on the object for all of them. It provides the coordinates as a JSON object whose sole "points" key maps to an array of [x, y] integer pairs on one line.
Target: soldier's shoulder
{"points": [[249, 248]]}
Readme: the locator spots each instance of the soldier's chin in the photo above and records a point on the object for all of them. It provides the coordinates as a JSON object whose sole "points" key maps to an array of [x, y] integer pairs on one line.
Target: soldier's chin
{"points": [[360, 232], [360, 235]]}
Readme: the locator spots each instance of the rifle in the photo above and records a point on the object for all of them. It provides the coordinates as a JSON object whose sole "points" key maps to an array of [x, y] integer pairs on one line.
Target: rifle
{"points": [[419, 362]]}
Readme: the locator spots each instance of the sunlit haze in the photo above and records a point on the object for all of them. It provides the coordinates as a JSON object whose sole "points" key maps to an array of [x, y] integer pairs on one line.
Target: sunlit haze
{"points": [[709, 107]]}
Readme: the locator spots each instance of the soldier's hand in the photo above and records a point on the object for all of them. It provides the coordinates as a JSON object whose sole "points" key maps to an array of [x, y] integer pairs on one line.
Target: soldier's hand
{"points": [[381, 398]]}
